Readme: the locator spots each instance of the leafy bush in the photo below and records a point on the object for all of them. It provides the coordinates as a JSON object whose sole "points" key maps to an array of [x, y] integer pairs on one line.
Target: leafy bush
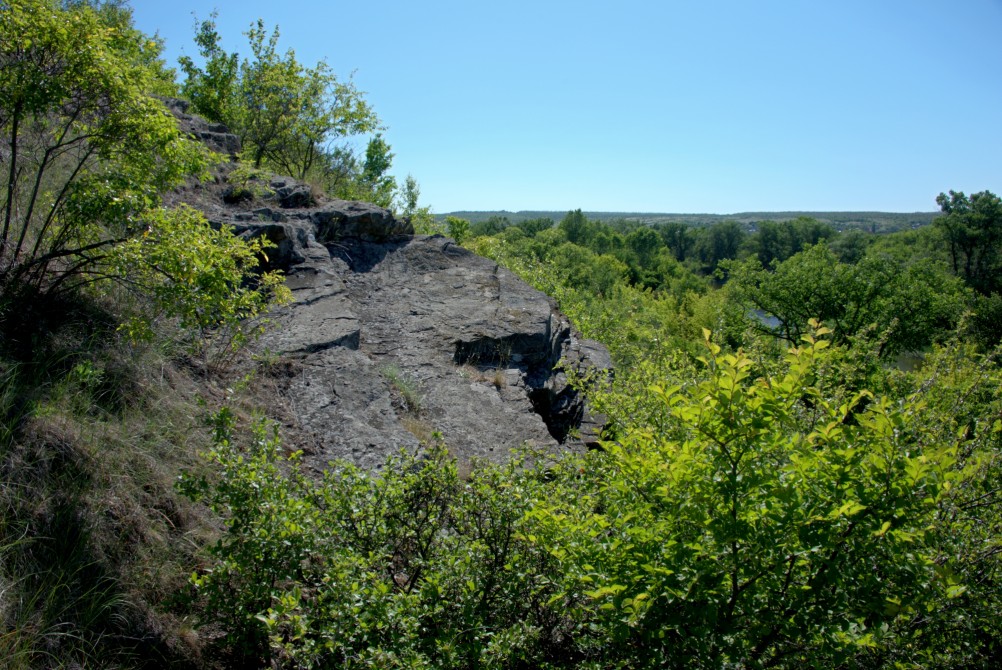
{"points": [[783, 527], [89, 151], [409, 568], [204, 276], [766, 518], [87, 147]]}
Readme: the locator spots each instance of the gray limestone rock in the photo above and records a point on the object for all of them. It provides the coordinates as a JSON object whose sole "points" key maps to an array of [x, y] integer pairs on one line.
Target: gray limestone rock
{"points": [[475, 346], [215, 136], [396, 340]]}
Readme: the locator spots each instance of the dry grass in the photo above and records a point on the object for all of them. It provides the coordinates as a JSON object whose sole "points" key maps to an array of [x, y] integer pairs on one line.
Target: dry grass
{"points": [[95, 543], [420, 429], [404, 385], [495, 376]]}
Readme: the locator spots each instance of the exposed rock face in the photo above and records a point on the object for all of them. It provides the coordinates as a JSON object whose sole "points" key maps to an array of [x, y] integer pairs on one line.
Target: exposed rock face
{"points": [[216, 136], [395, 339], [473, 344]]}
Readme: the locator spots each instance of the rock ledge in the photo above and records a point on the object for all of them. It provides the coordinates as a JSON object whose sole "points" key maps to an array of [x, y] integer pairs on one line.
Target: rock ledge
{"points": [[395, 340]]}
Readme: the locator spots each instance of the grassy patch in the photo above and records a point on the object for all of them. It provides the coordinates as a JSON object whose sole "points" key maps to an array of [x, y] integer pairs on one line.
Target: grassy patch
{"points": [[405, 386], [95, 544]]}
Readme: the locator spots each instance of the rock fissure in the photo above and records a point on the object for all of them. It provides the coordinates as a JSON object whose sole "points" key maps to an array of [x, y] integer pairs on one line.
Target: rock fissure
{"points": [[381, 313]]}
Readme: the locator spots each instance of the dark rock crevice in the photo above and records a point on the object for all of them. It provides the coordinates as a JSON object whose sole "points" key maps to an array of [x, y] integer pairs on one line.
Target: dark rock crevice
{"points": [[482, 349]]}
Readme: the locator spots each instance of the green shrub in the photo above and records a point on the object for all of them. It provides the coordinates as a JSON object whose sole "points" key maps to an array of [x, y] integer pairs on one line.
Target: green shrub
{"points": [[408, 568], [763, 516], [771, 522]]}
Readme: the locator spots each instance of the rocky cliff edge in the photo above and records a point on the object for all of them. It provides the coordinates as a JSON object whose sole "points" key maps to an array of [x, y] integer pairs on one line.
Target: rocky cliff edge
{"points": [[394, 339]]}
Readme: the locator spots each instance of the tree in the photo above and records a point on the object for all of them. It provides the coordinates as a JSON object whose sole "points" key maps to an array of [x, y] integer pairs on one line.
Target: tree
{"points": [[850, 246], [534, 226], [458, 228], [577, 227], [973, 231], [213, 91], [421, 217], [679, 238], [87, 150], [492, 226], [287, 115], [777, 241], [379, 185], [719, 242], [85, 147], [409, 196], [646, 243], [909, 306]]}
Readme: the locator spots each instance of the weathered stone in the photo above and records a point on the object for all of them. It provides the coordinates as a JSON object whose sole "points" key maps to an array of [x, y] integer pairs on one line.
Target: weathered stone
{"points": [[393, 339], [341, 219], [477, 346], [292, 194], [215, 136]]}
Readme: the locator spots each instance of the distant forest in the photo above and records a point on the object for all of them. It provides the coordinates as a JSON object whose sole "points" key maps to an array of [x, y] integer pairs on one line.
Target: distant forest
{"points": [[874, 222]]}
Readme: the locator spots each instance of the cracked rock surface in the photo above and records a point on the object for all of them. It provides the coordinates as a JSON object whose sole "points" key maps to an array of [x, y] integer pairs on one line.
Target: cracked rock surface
{"points": [[395, 340], [408, 337]]}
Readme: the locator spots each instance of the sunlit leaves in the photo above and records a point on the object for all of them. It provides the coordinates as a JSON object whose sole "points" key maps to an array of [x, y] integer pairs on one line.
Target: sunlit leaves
{"points": [[777, 520], [285, 113], [203, 276], [87, 148]]}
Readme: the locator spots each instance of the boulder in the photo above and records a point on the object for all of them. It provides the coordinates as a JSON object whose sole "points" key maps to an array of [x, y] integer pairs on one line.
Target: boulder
{"points": [[395, 340], [480, 350], [215, 136]]}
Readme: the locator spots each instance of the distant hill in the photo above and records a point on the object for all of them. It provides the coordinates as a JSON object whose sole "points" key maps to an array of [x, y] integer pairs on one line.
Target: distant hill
{"points": [[877, 222]]}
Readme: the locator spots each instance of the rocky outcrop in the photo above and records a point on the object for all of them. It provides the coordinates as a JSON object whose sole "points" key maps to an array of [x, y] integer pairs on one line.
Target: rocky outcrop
{"points": [[215, 136], [413, 336], [395, 340]]}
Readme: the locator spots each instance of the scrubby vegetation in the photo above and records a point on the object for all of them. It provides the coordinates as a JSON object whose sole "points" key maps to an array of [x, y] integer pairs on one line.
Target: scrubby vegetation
{"points": [[776, 492], [766, 515], [778, 486]]}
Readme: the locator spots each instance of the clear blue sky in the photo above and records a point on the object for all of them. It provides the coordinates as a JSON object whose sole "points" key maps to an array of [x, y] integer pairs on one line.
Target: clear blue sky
{"points": [[659, 106]]}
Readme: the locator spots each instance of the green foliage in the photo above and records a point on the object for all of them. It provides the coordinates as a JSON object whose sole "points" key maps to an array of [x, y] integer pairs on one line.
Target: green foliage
{"points": [[204, 277], [877, 223], [679, 238], [580, 268], [410, 568], [750, 512], [778, 241], [90, 152], [986, 321], [533, 226], [286, 114], [576, 227], [718, 243], [421, 217], [87, 148], [850, 246], [491, 226], [766, 524], [459, 229], [406, 386], [213, 90], [248, 183], [379, 185], [94, 543], [960, 396], [907, 306], [973, 231]]}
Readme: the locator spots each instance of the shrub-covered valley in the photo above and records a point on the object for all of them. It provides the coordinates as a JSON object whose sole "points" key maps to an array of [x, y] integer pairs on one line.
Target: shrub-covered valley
{"points": [[799, 464]]}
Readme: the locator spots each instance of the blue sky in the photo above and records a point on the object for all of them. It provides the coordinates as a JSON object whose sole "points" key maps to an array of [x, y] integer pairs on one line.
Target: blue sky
{"points": [[711, 106]]}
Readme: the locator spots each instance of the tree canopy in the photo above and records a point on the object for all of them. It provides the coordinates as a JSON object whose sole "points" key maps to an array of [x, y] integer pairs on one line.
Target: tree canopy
{"points": [[972, 227], [87, 151], [287, 115]]}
